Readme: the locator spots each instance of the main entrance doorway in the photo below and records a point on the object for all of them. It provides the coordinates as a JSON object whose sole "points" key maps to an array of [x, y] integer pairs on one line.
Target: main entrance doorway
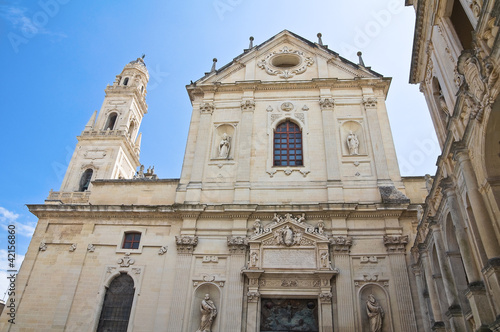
{"points": [[287, 315]]}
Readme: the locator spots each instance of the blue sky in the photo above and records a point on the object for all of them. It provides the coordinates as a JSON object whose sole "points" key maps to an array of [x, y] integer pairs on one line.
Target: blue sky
{"points": [[59, 55]]}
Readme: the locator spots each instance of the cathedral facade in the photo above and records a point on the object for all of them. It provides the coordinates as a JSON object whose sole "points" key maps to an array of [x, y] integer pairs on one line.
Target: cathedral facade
{"points": [[290, 213], [456, 252]]}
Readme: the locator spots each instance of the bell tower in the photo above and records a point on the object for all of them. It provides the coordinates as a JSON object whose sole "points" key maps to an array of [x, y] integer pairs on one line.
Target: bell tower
{"points": [[109, 146]]}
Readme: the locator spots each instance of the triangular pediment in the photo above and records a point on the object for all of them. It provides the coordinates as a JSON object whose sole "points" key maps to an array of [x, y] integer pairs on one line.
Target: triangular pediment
{"points": [[287, 231], [287, 57]]}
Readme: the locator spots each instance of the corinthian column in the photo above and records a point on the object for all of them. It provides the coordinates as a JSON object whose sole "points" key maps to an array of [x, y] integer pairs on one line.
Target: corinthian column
{"points": [[185, 247], [396, 249]]}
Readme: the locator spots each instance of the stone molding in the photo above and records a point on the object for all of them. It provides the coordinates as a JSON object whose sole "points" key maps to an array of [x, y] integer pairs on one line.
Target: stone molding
{"points": [[326, 103], [248, 105], [237, 244], [266, 63], [253, 296], [341, 244], [207, 108], [370, 102], [396, 243], [326, 297], [186, 243]]}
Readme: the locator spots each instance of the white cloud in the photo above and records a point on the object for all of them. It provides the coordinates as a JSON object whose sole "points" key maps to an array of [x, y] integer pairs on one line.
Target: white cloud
{"points": [[20, 20], [22, 228]]}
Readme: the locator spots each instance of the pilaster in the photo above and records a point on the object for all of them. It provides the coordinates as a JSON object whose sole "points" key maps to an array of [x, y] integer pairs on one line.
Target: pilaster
{"points": [[330, 133], [242, 185], [341, 246], [193, 193], [396, 248], [185, 248], [237, 246]]}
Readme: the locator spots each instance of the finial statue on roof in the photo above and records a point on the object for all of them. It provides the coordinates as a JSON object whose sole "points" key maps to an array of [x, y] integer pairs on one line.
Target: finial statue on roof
{"points": [[251, 43], [319, 38], [143, 56], [361, 63], [213, 66]]}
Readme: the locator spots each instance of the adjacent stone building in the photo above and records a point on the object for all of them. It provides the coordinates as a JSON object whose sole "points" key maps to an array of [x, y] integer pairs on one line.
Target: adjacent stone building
{"points": [[290, 212], [457, 250]]}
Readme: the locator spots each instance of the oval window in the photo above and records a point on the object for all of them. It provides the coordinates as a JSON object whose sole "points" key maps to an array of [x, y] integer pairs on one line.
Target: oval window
{"points": [[285, 61]]}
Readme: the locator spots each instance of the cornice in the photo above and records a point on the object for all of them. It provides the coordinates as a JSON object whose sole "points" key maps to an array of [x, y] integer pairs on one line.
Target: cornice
{"points": [[229, 211], [382, 83], [418, 47]]}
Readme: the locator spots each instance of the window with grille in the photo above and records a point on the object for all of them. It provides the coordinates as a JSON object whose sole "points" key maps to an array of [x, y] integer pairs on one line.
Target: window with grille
{"points": [[115, 312], [288, 145], [131, 240]]}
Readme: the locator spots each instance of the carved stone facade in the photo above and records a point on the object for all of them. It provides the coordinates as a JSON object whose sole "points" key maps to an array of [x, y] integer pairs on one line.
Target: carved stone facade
{"points": [[455, 60], [237, 229]]}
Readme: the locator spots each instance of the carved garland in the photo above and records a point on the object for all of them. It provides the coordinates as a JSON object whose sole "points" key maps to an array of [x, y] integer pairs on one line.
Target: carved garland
{"points": [[266, 63]]}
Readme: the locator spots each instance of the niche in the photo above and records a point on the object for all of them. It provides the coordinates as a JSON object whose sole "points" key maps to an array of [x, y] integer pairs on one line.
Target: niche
{"points": [[382, 300], [199, 295], [224, 142], [352, 139]]}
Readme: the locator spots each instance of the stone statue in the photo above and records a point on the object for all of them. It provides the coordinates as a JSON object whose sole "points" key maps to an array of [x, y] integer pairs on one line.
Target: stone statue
{"points": [[375, 314], [320, 227], [253, 259], [140, 173], [352, 143], [208, 313], [324, 259], [224, 146], [259, 229], [428, 182], [287, 234]]}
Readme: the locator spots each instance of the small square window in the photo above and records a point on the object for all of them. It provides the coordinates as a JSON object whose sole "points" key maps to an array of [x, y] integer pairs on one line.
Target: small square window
{"points": [[131, 240]]}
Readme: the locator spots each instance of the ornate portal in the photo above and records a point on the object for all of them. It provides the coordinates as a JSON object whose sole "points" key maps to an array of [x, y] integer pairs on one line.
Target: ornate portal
{"points": [[286, 315]]}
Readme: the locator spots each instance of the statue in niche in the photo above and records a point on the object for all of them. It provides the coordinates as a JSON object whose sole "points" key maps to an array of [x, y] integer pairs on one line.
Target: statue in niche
{"points": [[208, 313], [352, 143], [287, 235], [224, 146], [375, 314], [253, 259], [324, 259]]}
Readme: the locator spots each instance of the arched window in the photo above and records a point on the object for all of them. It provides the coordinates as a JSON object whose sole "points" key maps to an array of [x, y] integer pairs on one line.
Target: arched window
{"points": [[115, 312], [125, 81], [288, 145], [110, 124], [85, 179], [131, 240]]}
